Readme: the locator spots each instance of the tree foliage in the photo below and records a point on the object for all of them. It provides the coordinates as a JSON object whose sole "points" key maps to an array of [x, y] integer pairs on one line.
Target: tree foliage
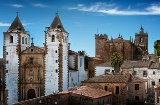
{"points": [[116, 60]]}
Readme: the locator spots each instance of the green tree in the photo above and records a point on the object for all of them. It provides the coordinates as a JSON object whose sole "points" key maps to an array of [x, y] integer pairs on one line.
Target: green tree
{"points": [[116, 61]]}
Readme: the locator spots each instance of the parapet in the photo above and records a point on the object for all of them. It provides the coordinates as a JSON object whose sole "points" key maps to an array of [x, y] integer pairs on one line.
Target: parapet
{"points": [[101, 36]]}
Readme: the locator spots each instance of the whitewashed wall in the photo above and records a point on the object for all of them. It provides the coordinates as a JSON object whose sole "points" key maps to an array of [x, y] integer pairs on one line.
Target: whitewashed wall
{"points": [[51, 76], [101, 70], [11, 68], [65, 62], [71, 61], [82, 74], [73, 80]]}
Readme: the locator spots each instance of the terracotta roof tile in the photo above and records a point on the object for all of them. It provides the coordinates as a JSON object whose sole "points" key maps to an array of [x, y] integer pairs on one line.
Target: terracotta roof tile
{"points": [[91, 92], [114, 78]]}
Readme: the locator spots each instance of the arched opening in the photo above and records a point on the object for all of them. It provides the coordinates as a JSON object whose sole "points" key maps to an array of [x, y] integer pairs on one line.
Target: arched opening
{"points": [[11, 39], [31, 93], [141, 39], [22, 40], [53, 38], [25, 40]]}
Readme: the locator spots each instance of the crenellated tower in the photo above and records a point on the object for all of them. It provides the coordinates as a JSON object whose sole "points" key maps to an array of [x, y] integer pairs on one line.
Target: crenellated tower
{"points": [[56, 58], [100, 44], [16, 39]]}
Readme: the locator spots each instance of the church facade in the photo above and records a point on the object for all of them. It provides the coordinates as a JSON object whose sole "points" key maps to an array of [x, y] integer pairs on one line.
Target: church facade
{"points": [[33, 71]]}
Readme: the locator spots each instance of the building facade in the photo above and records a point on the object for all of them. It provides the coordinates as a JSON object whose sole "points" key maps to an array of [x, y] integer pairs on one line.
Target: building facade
{"points": [[32, 71]]}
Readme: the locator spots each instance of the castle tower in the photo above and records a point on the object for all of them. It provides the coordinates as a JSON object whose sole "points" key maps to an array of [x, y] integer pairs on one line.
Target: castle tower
{"points": [[100, 44], [141, 41], [56, 59], [15, 40]]}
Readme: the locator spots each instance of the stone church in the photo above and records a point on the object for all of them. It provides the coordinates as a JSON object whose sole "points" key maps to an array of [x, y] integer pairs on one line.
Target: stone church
{"points": [[33, 71], [129, 49]]}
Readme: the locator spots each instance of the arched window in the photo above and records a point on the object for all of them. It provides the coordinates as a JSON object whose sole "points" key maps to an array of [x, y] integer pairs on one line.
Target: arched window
{"points": [[141, 39], [11, 39], [22, 40], [25, 40], [53, 38]]}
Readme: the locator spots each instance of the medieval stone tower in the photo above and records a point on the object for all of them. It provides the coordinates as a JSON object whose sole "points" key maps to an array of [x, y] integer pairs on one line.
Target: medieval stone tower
{"points": [[56, 59], [16, 39], [141, 41]]}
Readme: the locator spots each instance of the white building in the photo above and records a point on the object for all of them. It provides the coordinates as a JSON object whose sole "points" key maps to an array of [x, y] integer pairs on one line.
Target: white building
{"points": [[77, 71], [47, 66]]}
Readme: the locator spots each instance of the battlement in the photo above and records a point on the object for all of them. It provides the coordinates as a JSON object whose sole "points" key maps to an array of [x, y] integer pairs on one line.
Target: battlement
{"points": [[101, 36]]}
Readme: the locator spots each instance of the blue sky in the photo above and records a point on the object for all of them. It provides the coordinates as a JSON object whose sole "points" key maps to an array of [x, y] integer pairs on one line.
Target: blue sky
{"points": [[83, 19]]}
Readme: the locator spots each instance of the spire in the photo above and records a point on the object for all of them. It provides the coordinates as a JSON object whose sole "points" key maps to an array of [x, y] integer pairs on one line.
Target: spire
{"points": [[16, 25], [57, 23], [141, 29]]}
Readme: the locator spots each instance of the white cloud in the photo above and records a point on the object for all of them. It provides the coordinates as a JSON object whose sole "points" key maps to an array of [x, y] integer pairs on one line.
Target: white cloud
{"points": [[39, 5], [17, 5], [112, 9], [4, 24]]}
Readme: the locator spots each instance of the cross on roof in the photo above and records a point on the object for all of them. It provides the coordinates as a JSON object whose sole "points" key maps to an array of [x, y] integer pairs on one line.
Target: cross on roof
{"points": [[32, 41], [17, 13]]}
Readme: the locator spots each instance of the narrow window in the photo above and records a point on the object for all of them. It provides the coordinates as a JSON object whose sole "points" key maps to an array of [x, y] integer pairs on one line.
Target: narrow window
{"points": [[153, 83], [144, 73], [106, 88], [135, 73], [25, 40], [117, 89], [80, 62], [31, 60], [55, 51], [56, 70], [56, 61], [159, 80], [141, 39], [153, 72], [11, 39], [136, 87], [22, 40], [53, 38]]}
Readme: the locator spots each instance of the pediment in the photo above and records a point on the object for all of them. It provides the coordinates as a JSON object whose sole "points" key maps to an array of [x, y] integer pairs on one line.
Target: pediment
{"points": [[34, 49]]}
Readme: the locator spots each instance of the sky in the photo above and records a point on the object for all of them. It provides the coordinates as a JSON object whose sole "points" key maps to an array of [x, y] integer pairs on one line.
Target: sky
{"points": [[82, 19]]}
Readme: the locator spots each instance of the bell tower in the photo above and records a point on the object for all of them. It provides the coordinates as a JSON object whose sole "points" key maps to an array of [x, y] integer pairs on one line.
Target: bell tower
{"points": [[16, 39], [56, 58], [141, 41]]}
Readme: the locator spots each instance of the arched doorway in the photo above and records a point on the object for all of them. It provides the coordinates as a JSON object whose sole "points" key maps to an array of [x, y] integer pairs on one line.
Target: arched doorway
{"points": [[31, 93]]}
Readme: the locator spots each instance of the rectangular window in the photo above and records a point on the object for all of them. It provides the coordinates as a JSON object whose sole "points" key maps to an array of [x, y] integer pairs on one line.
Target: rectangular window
{"points": [[22, 40], [136, 86], [144, 73], [11, 39], [56, 61], [80, 62], [31, 60], [136, 98], [153, 83], [159, 80], [106, 88], [135, 72], [53, 38], [117, 90], [153, 72]]}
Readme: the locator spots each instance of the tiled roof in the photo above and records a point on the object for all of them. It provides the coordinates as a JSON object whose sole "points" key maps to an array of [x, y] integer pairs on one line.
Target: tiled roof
{"points": [[155, 65], [114, 78], [91, 92], [16, 24], [57, 23], [131, 64], [107, 64]]}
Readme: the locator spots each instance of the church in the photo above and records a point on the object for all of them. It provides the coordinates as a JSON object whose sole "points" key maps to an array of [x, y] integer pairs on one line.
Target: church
{"points": [[32, 71]]}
